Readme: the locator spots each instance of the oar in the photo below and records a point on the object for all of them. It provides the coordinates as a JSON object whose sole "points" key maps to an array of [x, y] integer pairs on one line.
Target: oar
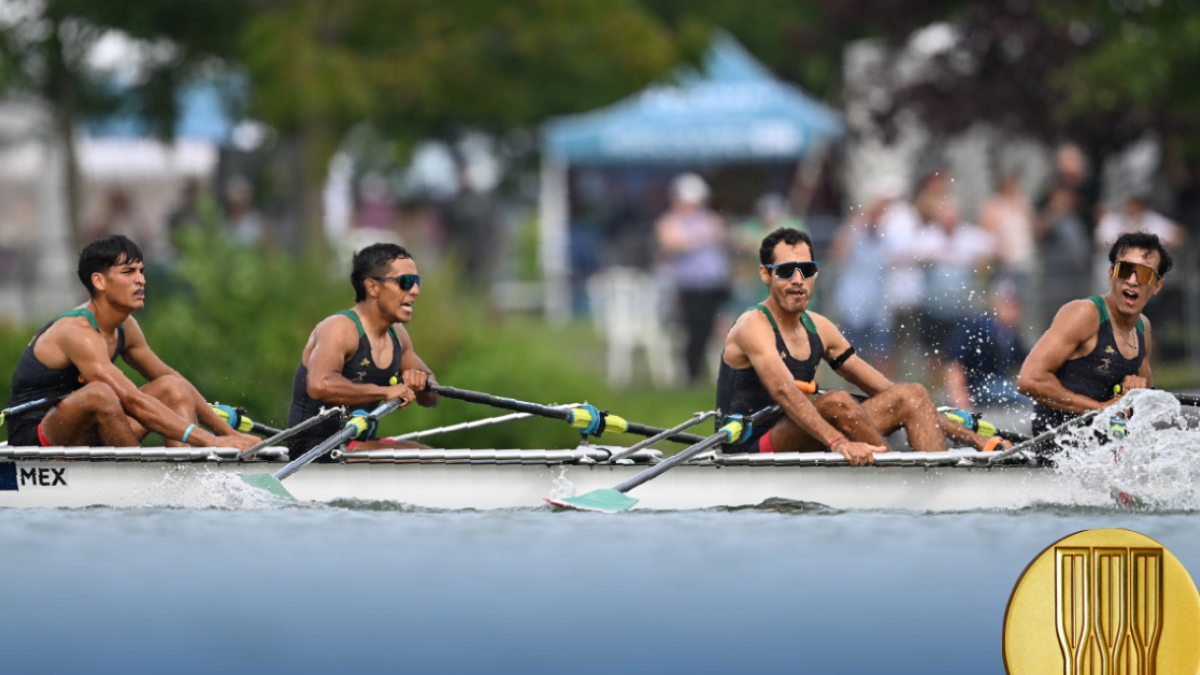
{"points": [[48, 402], [289, 433], [615, 500], [236, 418], [355, 427], [465, 426], [586, 418], [1049, 433]]}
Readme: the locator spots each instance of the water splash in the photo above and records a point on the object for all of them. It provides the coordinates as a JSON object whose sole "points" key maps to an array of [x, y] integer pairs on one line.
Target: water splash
{"points": [[562, 486], [226, 490], [1156, 466]]}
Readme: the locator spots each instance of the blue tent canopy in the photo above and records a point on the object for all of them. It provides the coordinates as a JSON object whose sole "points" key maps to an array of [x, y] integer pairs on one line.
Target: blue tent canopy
{"points": [[734, 109]]}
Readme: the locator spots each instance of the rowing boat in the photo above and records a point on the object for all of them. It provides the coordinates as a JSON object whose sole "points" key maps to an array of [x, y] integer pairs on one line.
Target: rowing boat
{"points": [[955, 480]]}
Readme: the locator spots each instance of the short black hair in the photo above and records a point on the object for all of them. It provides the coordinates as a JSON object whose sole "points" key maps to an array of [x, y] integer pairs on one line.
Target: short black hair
{"points": [[373, 261], [788, 235], [104, 254], [1145, 241]]}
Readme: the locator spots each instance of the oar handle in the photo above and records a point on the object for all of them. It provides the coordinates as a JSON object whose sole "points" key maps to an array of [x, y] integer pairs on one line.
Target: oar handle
{"points": [[23, 408], [352, 429], [498, 402]]}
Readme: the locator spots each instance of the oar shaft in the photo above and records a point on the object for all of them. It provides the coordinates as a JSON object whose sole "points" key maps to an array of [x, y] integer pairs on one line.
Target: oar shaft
{"points": [[281, 436], [705, 444], [348, 432], [548, 411], [504, 403], [1049, 433]]}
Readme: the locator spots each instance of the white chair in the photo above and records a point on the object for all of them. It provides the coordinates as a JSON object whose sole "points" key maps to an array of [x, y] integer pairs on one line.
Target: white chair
{"points": [[627, 310]]}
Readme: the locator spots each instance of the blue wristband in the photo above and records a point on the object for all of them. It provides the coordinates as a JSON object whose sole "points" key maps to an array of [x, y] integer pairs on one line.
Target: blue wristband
{"points": [[187, 432]]}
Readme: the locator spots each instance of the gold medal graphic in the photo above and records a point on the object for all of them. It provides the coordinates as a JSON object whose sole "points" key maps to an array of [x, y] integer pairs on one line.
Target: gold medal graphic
{"points": [[1103, 602]]}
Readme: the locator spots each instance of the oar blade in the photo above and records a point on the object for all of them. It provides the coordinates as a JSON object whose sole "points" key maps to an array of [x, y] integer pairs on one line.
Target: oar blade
{"points": [[603, 501], [268, 482]]}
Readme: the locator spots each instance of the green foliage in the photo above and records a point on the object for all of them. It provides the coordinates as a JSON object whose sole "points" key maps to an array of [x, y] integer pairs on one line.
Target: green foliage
{"points": [[234, 321]]}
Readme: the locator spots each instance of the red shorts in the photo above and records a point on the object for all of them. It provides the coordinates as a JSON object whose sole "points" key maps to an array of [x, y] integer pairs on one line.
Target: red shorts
{"points": [[42, 437]]}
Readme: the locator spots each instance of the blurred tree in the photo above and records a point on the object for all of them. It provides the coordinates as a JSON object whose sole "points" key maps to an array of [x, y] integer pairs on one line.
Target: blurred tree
{"points": [[419, 68], [45, 46]]}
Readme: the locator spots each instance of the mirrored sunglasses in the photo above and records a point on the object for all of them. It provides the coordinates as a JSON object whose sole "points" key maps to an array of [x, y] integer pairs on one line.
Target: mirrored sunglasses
{"points": [[1146, 275], [808, 269], [406, 281]]}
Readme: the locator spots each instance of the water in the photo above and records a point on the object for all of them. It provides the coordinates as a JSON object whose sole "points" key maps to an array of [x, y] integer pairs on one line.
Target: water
{"points": [[365, 588], [381, 587]]}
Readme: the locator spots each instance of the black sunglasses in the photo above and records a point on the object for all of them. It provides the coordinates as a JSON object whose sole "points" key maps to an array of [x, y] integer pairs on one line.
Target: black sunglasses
{"points": [[406, 281], [808, 269]]}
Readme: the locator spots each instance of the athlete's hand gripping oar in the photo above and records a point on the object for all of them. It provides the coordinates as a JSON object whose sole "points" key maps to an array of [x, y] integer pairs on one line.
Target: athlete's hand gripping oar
{"points": [[289, 433], [237, 418], [587, 419], [356, 426], [615, 500]]}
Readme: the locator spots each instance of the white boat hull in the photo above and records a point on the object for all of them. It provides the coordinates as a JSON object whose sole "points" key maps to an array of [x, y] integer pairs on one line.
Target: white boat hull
{"points": [[56, 483]]}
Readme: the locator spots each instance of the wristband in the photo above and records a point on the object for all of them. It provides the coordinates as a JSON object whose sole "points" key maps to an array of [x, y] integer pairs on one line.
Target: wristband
{"points": [[836, 441], [187, 432]]}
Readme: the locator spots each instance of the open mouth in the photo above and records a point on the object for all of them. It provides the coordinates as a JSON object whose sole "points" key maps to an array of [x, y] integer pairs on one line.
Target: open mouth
{"points": [[1131, 296]]}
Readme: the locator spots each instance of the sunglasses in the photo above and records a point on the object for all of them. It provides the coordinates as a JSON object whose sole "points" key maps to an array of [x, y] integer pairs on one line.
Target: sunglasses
{"points": [[406, 281], [807, 268], [1146, 275]]}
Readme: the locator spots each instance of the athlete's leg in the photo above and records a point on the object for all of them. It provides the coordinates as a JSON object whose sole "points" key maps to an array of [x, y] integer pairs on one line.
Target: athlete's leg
{"points": [[175, 393], [908, 405], [91, 415], [841, 411]]}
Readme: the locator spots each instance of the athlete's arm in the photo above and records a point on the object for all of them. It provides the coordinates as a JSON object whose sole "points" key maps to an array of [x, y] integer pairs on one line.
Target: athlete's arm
{"points": [[1074, 325], [141, 358], [334, 341], [854, 370], [414, 373], [87, 351]]}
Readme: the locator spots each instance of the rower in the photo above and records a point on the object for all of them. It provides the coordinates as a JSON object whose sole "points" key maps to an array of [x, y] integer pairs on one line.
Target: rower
{"points": [[1098, 349], [71, 362], [777, 343], [361, 356]]}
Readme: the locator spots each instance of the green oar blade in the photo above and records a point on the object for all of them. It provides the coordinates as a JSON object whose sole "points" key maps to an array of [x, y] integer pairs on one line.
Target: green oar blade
{"points": [[268, 482], [604, 501]]}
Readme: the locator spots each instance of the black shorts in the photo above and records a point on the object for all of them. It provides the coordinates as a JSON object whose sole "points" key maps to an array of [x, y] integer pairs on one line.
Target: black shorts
{"points": [[23, 433]]}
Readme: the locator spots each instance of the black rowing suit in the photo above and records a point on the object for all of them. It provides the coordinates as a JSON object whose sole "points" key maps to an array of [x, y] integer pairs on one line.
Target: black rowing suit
{"points": [[741, 392], [1095, 374], [360, 369], [32, 380]]}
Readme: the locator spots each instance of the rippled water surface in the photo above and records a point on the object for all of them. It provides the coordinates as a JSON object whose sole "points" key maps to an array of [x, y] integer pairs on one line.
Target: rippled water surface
{"points": [[381, 588]]}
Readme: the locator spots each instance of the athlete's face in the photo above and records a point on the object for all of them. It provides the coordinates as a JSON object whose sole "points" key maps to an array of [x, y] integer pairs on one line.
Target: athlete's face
{"points": [[123, 285], [794, 294], [393, 300], [1129, 296]]}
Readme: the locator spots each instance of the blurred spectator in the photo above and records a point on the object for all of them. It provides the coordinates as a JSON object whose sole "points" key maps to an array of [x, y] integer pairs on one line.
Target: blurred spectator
{"points": [[771, 213], [244, 221], [376, 206], [472, 224], [1136, 215], [953, 252], [119, 216], [1063, 233], [691, 245], [905, 279], [986, 351], [1008, 217], [861, 254]]}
